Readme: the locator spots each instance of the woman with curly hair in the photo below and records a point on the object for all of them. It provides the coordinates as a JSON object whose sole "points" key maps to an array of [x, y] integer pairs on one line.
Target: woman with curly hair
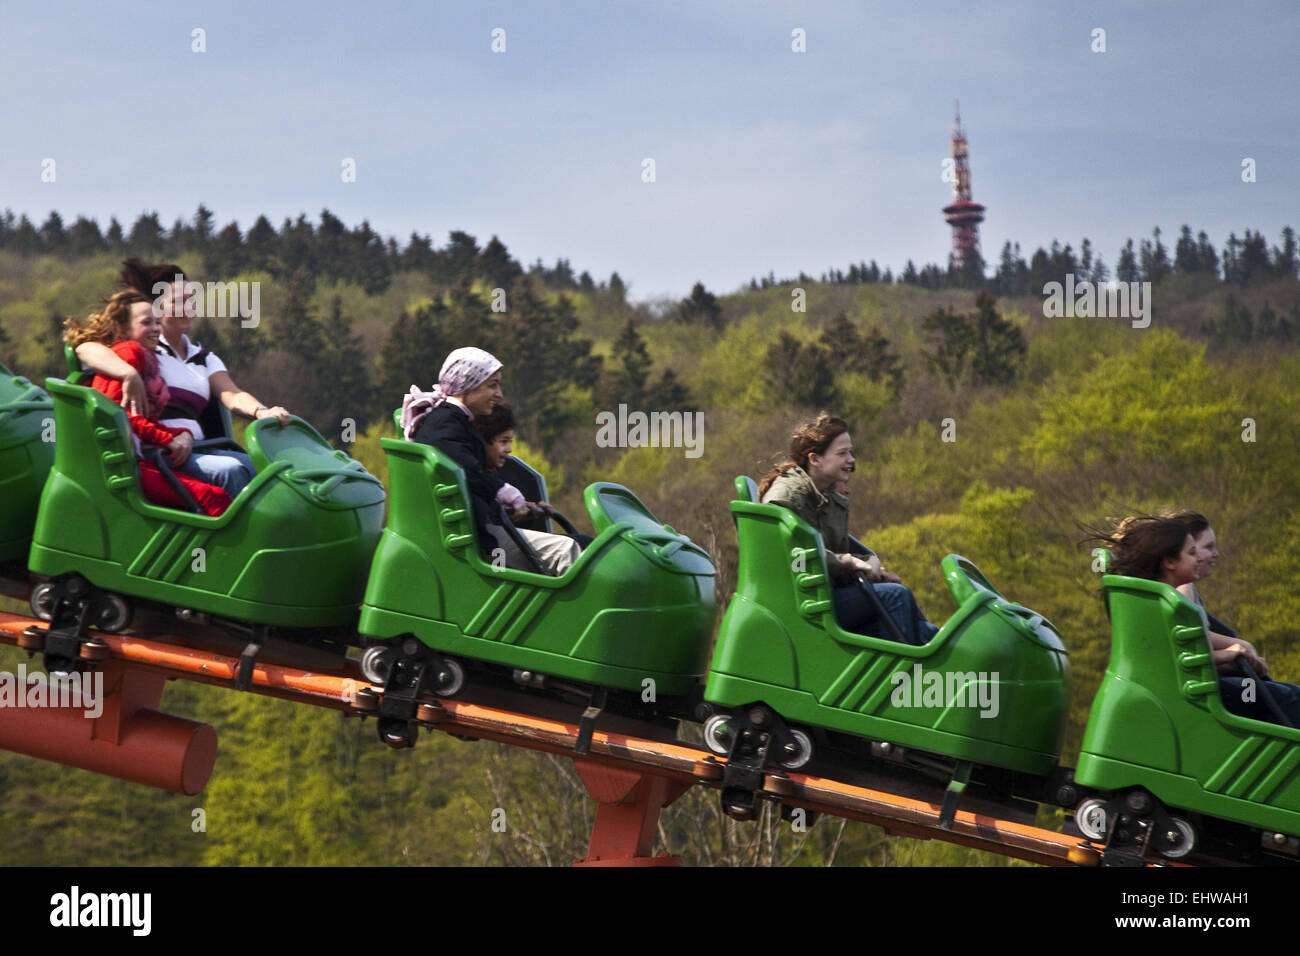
{"points": [[821, 455], [194, 375], [129, 329]]}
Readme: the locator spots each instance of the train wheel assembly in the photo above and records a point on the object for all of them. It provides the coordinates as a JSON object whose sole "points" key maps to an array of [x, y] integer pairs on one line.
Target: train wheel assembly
{"points": [[1134, 825], [1090, 818], [377, 662], [796, 751], [448, 677], [720, 733]]}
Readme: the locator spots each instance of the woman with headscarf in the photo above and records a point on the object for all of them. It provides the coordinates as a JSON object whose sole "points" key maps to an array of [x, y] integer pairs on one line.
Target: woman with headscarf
{"points": [[469, 384]]}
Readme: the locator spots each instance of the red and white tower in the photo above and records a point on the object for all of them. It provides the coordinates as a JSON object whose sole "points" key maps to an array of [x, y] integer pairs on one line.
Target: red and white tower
{"points": [[964, 215]]}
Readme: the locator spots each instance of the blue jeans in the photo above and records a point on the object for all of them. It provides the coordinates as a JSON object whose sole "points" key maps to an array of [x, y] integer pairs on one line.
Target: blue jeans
{"points": [[856, 612], [1287, 696], [228, 470]]}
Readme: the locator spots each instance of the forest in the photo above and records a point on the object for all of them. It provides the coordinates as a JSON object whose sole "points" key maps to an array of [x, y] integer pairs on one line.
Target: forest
{"points": [[981, 427]]}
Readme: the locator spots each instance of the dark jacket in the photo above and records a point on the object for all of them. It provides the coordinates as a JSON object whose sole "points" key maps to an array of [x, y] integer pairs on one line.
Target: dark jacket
{"points": [[448, 429]]}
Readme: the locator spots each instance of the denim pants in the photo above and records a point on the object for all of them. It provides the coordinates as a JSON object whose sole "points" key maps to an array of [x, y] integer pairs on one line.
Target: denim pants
{"points": [[228, 470], [855, 612], [1231, 689]]}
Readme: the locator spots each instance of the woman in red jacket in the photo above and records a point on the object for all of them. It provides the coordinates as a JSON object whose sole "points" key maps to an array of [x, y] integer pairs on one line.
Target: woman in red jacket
{"points": [[127, 323]]}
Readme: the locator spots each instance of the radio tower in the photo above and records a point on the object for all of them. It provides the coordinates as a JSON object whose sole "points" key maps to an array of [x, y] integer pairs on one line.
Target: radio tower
{"points": [[964, 215]]}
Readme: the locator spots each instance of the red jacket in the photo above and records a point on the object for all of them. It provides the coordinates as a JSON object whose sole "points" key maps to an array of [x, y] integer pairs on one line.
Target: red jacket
{"points": [[146, 428]]}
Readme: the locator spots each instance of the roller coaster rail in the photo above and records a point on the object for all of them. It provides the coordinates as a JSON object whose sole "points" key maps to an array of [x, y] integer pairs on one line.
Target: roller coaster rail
{"points": [[632, 777]]}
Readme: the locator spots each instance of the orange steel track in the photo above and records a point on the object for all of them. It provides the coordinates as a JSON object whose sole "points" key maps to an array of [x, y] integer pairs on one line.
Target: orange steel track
{"points": [[631, 778]]}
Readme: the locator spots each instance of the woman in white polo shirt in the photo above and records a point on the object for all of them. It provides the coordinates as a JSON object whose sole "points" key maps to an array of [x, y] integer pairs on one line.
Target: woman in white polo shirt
{"points": [[193, 375]]}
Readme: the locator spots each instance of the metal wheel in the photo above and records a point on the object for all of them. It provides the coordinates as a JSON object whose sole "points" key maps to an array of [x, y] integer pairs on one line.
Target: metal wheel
{"points": [[376, 662], [114, 613], [42, 601], [450, 679], [798, 752], [719, 731], [1090, 818], [1185, 841], [398, 734]]}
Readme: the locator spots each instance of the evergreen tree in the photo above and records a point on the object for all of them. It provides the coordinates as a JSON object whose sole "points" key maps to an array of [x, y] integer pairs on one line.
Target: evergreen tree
{"points": [[332, 246], [1254, 262], [972, 271], [1040, 271], [295, 330], [668, 393], [982, 342], [998, 345], [496, 267], [261, 247], [544, 360], [114, 237], [616, 288], [203, 226], [869, 353], [343, 368], [802, 373], [1231, 261], [367, 260], [949, 335], [1285, 260], [701, 307], [84, 238], [24, 239], [297, 248], [53, 237], [146, 235], [418, 255], [1186, 258], [459, 258], [626, 381], [1154, 258], [1127, 268], [226, 254], [1207, 260], [413, 352]]}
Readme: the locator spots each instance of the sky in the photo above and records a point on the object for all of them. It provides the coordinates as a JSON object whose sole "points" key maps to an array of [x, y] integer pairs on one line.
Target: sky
{"points": [[764, 158]]}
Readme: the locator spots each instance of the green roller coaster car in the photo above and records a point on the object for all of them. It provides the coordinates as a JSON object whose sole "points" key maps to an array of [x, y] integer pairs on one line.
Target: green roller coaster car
{"points": [[1159, 725], [780, 646], [26, 454], [638, 603], [292, 550]]}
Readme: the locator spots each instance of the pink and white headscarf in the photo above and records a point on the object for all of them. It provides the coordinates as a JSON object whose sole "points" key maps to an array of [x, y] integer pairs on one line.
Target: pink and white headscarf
{"points": [[464, 370]]}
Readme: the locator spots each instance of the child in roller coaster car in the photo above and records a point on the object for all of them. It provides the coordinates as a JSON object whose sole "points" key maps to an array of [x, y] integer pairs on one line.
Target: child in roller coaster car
{"points": [[128, 325], [498, 431]]}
